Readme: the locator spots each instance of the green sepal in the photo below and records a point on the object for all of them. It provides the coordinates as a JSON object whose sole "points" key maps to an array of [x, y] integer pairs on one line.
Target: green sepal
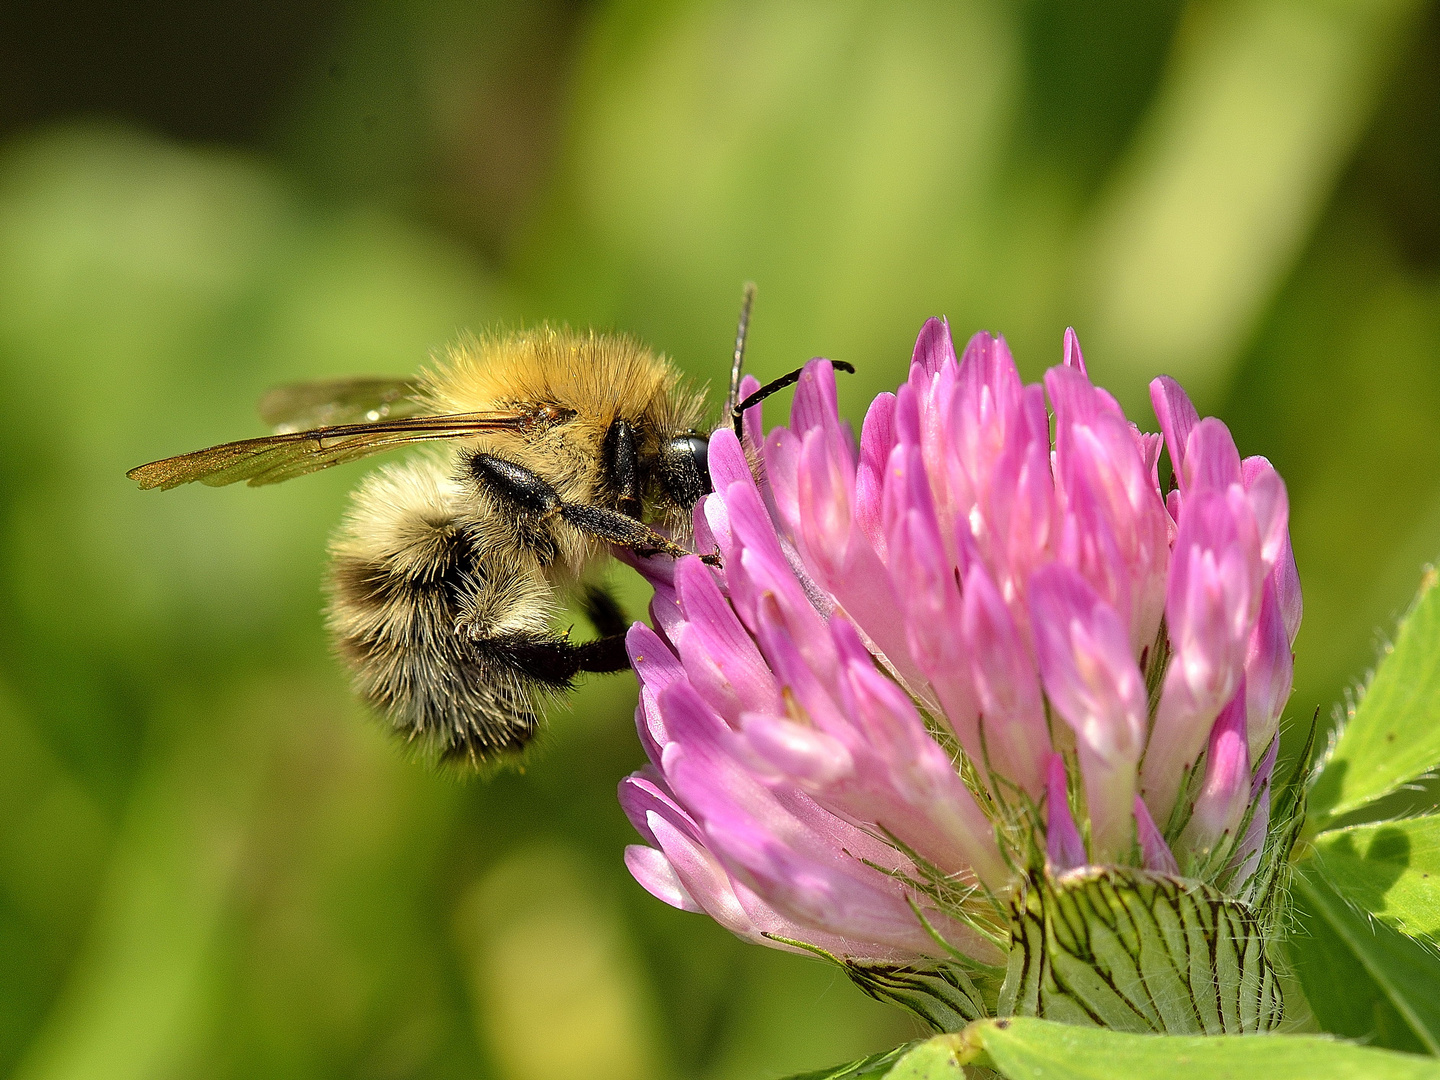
{"points": [[1135, 951], [871, 1068], [933, 1059], [941, 993]]}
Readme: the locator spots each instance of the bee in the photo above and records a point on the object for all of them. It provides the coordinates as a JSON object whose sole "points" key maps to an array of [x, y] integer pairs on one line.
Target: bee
{"points": [[551, 448]]}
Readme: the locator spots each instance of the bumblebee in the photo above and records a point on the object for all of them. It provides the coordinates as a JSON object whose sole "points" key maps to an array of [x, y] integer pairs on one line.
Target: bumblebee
{"points": [[448, 572]]}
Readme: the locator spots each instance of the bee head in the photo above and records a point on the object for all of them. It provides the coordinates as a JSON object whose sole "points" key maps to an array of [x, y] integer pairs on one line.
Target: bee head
{"points": [[684, 468]]}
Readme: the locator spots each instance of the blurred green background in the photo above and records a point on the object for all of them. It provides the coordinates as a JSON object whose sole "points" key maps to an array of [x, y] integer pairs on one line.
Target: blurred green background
{"points": [[211, 863]]}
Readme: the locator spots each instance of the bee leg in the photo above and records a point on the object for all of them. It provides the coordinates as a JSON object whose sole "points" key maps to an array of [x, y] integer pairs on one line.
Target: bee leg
{"points": [[604, 612], [554, 661], [603, 655], [622, 465], [533, 493], [617, 528]]}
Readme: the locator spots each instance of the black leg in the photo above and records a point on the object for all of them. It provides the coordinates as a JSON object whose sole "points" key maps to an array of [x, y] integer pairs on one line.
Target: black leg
{"points": [[622, 466], [534, 494], [615, 527], [515, 484], [603, 612], [555, 661]]}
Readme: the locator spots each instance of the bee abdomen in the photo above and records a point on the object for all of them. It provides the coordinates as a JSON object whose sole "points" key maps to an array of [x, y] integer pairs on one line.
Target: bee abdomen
{"points": [[425, 619]]}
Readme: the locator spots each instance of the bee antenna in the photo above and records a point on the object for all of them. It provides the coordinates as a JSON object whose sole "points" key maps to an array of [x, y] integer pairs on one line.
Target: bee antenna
{"points": [[737, 365], [775, 387]]}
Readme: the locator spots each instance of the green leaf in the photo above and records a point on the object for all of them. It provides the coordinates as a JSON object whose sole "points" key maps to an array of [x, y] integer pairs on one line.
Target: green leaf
{"points": [[1363, 979], [1023, 1047], [1044, 1050], [1390, 869], [1393, 735]]}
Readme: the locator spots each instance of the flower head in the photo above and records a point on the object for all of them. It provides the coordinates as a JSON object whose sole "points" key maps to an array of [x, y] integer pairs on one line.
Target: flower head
{"points": [[958, 655]]}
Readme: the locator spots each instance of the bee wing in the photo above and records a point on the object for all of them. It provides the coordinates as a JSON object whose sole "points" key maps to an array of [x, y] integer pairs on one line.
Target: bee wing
{"points": [[273, 458], [302, 406]]}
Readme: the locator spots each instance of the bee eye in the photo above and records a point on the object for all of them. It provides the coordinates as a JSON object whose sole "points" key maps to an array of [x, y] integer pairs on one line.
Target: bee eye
{"points": [[698, 447], [685, 468]]}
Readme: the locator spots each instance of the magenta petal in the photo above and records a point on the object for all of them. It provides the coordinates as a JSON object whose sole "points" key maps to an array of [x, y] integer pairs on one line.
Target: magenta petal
{"points": [[656, 876], [1116, 532], [717, 523], [1096, 687], [816, 404], [1078, 401], [934, 346], [927, 597], [705, 674], [656, 667], [782, 467], [877, 439], [809, 865], [1211, 612], [665, 610], [701, 875], [1211, 460], [802, 654], [658, 570], [1006, 683], [682, 873], [715, 630], [1287, 590], [642, 792], [728, 464], [934, 812], [757, 563], [1177, 418], [987, 363], [907, 415], [753, 529], [1266, 494], [1064, 849], [753, 421], [706, 539], [799, 753], [1150, 446], [1073, 356], [1019, 505], [890, 770], [825, 491], [840, 555], [1154, 851], [1269, 671], [1275, 542], [692, 872], [1225, 792], [988, 414], [654, 664]]}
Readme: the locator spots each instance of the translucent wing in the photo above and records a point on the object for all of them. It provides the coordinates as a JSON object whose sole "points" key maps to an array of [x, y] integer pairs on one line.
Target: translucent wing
{"points": [[302, 406], [279, 457]]}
